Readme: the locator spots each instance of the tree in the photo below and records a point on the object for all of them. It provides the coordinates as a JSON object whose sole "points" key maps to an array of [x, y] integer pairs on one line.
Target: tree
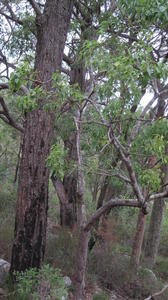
{"points": [[51, 27], [128, 74]]}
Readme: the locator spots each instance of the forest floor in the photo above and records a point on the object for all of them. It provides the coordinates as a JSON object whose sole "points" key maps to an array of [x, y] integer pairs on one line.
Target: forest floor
{"points": [[102, 268]]}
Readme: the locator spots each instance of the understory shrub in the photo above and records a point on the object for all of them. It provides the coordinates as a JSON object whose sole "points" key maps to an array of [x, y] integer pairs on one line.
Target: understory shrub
{"points": [[113, 271], [44, 284], [61, 249]]}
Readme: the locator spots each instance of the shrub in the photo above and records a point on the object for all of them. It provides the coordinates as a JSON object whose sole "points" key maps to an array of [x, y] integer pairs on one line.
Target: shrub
{"points": [[61, 250], [47, 283], [100, 296], [113, 271]]}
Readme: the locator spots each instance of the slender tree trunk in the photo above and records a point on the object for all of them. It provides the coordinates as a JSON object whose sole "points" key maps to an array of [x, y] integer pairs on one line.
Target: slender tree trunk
{"points": [[100, 201], [81, 264], [32, 203], [138, 239], [82, 218], [153, 237], [66, 207], [68, 195], [70, 180]]}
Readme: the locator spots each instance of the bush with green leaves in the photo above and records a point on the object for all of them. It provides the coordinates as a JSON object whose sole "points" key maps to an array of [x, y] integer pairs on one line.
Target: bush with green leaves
{"points": [[46, 283]]}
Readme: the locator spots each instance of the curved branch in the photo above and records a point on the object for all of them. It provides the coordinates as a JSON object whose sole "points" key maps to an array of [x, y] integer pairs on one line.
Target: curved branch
{"points": [[112, 203], [159, 195], [158, 293]]}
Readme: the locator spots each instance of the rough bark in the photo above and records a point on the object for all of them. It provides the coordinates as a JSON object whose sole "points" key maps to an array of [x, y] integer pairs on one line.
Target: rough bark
{"points": [[138, 239], [32, 202], [153, 237]]}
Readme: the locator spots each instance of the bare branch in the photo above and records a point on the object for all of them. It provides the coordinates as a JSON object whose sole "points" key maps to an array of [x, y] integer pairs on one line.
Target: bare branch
{"points": [[139, 121], [159, 195], [11, 17], [112, 203], [124, 178], [65, 71], [125, 158], [36, 7], [158, 293], [7, 118], [100, 114], [5, 86], [4, 61], [67, 59]]}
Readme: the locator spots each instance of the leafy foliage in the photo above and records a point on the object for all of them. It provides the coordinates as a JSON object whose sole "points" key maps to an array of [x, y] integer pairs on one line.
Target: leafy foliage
{"points": [[47, 282], [56, 160]]}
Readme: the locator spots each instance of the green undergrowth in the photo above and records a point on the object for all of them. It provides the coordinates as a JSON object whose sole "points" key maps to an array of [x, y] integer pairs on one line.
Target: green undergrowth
{"points": [[46, 283]]}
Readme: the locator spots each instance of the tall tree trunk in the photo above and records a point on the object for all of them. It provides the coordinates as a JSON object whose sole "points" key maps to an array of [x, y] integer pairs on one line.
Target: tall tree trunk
{"points": [[100, 201], [70, 179], [32, 202], [138, 239], [82, 218], [153, 237], [68, 195], [81, 264]]}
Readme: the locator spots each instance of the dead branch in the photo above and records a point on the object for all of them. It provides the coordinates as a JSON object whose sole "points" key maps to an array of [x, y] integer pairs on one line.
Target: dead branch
{"points": [[158, 293]]}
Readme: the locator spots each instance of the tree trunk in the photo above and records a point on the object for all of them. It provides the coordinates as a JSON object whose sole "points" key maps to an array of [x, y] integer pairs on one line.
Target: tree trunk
{"points": [[153, 237], [138, 239], [32, 202], [70, 178], [67, 213], [68, 206], [100, 201], [81, 264]]}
